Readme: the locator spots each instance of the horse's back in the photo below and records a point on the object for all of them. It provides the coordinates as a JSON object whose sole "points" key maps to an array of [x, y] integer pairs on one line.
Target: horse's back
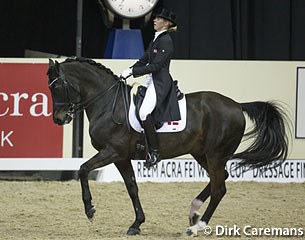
{"points": [[219, 118], [213, 102]]}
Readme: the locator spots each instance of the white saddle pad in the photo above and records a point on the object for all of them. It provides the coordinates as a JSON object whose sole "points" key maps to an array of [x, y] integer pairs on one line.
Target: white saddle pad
{"points": [[174, 126]]}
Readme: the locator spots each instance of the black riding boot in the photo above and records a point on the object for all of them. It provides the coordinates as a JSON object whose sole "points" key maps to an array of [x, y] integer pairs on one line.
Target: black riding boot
{"points": [[152, 142]]}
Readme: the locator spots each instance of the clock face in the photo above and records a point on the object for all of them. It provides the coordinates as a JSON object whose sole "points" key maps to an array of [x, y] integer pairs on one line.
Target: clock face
{"points": [[131, 8]]}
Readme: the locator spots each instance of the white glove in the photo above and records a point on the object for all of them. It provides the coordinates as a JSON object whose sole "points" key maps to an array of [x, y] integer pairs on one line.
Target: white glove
{"points": [[126, 73], [147, 80]]}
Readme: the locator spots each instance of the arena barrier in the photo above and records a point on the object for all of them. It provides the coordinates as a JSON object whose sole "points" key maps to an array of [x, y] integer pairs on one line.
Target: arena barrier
{"points": [[41, 164], [188, 170], [172, 170]]}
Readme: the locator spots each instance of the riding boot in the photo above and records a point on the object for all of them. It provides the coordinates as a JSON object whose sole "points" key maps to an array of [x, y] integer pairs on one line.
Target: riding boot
{"points": [[152, 142]]}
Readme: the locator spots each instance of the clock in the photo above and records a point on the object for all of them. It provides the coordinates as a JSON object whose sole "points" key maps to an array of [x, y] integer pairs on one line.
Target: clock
{"points": [[131, 9], [125, 18]]}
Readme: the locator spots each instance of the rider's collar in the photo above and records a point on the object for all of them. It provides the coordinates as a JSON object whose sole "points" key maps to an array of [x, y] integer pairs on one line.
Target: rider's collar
{"points": [[158, 33]]}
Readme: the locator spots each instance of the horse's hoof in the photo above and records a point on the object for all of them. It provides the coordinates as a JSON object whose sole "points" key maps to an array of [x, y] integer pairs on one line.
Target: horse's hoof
{"points": [[133, 231], [90, 213], [191, 233]]}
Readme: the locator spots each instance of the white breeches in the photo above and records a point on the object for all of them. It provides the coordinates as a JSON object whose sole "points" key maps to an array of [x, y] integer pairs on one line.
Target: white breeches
{"points": [[150, 99]]}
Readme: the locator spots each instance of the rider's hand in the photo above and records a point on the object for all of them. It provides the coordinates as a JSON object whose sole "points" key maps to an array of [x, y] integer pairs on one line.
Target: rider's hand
{"points": [[126, 73]]}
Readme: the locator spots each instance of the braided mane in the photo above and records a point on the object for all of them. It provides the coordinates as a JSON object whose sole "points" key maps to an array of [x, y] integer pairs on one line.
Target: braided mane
{"points": [[93, 63]]}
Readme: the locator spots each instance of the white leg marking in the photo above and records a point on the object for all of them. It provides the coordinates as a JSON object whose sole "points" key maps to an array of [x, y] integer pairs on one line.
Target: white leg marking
{"points": [[196, 204], [193, 231]]}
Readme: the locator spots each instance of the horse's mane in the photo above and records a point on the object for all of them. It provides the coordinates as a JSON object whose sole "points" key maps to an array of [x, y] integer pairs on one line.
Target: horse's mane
{"points": [[93, 63]]}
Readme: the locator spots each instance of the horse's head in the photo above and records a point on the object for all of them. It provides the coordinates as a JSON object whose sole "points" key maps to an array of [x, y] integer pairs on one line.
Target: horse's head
{"points": [[64, 95]]}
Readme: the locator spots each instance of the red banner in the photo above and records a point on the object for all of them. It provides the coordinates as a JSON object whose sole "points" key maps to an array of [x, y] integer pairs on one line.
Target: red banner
{"points": [[26, 126]]}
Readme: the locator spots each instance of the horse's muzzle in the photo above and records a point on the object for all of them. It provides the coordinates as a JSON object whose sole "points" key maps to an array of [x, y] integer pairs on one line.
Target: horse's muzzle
{"points": [[62, 118]]}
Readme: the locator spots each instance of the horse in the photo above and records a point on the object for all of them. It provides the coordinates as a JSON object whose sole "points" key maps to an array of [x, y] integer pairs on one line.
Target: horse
{"points": [[215, 128]]}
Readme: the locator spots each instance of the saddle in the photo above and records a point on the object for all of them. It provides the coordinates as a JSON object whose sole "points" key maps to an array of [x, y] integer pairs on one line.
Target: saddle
{"points": [[139, 97], [138, 94]]}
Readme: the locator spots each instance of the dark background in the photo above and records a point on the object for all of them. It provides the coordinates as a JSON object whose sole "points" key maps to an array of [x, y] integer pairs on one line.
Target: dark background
{"points": [[207, 29]]}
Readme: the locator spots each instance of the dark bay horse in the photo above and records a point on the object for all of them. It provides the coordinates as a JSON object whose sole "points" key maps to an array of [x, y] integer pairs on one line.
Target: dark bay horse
{"points": [[215, 127]]}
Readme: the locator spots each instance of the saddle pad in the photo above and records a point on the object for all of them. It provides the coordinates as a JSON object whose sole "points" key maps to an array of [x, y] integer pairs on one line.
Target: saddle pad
{"points": [[174, 126]]}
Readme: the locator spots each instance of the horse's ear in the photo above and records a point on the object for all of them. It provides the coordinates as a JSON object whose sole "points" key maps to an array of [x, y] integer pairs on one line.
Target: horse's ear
{"points": [[57, 66], [58, 69], [51, 66], [51, 62]]}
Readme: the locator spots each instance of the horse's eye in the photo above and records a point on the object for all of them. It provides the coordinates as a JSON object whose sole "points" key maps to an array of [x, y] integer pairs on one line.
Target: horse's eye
{"points": [[55, 87]]}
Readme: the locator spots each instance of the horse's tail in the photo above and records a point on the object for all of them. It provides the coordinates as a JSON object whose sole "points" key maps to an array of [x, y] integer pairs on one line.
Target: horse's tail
{"points": [[270, 134]]}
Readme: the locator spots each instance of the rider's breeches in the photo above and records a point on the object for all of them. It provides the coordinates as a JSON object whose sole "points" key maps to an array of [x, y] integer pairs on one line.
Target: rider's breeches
{"points": [[149, 101]]}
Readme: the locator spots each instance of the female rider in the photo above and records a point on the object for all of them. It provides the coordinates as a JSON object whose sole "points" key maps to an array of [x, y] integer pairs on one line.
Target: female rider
{"points": [[160, 103]]}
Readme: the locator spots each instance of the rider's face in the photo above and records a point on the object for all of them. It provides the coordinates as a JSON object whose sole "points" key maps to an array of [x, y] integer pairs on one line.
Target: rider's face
{"points": [[161, 24]]}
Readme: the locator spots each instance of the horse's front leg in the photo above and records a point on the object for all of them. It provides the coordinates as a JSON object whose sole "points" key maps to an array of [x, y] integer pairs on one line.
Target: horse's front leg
{"points": [[126, 170], [86, 194], [101, 159]]}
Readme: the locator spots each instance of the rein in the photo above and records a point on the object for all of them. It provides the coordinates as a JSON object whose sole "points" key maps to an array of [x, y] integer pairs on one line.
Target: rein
{"points": [[83, 105], [122, 85]]}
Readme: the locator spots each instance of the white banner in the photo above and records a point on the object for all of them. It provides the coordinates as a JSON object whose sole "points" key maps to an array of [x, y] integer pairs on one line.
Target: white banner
{"points": [[188, 170], [172, 170]]}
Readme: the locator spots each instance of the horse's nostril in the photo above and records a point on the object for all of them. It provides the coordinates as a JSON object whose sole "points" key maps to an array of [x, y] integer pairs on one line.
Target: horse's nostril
{"points": [[58, 121]]}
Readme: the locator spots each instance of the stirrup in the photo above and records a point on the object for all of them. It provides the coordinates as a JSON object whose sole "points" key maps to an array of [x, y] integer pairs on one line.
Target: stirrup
{"points": [[153, 158]]}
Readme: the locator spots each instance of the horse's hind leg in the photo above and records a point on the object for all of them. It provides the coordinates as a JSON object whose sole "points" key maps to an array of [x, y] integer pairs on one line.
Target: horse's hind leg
{"points": [[200, 199], [203, 195], [217, 191], [126, 170], [197, 203]]}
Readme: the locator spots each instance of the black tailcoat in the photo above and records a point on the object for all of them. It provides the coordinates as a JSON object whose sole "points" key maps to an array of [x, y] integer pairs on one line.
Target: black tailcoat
{"points": [[156, 60]]}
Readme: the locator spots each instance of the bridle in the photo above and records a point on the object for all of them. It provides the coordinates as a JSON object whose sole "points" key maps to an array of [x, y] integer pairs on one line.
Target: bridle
{"points": [[69, 90], [73, 108]]}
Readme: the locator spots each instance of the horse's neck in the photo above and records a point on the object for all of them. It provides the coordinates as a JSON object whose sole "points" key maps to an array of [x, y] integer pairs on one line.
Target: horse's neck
{"points": [[96, 92]]}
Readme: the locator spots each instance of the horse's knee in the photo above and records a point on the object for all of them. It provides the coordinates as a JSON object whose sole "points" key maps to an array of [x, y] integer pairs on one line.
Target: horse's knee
{"points": [[83, 171], [132, 188]]}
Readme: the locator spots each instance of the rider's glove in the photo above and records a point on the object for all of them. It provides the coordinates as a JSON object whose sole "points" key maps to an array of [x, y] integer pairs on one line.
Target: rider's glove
{"points": [[126, 73]]}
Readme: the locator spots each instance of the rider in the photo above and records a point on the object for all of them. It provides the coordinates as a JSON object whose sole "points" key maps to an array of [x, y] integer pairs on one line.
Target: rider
{"points": [[160, 103]]}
